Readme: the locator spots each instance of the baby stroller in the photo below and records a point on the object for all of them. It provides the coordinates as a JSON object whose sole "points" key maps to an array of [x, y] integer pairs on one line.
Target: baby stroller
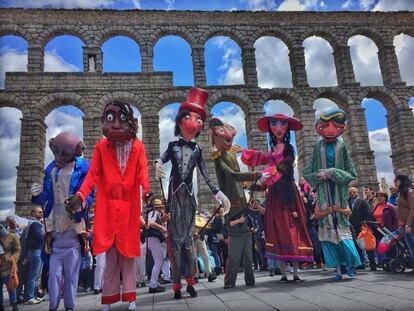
{"points": [[393, 243]]}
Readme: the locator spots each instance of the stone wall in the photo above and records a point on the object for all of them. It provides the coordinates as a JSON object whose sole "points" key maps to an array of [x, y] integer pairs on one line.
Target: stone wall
{"points": [[36, 93]]}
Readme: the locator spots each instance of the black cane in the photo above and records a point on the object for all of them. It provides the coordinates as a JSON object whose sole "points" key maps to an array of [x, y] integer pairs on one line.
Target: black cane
{"points": [[211, 217]]}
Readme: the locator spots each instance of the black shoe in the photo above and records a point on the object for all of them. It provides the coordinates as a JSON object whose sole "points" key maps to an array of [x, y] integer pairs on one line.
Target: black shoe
{"points": [[165, 281], [373, 268], [96, 291], [190, 289], [142, 284], [177, 295], [158, 289], [283, 279], [296, 279], [278, 272], [271, 273], [14, 307], [211, 278], [227, 286], [361, 267], [249, 284]]}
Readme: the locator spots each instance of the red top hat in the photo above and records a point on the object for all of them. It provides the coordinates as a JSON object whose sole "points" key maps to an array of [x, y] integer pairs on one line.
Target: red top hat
{"points": [[294, 124], [196, 100]]}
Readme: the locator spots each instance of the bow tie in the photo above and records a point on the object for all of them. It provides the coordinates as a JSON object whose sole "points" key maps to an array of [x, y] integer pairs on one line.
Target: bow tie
{"points": [[182, 142]]}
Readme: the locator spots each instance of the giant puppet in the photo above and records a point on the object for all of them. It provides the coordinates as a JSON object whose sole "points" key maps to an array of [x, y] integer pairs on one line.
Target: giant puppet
{"points": [[286, 234], [118, 171], [330, 170], [229, 178], [63, 177], [185, 155]]}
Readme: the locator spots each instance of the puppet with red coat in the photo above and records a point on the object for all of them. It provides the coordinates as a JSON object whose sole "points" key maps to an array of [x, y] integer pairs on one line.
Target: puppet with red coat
{"points": [[118, 170]]}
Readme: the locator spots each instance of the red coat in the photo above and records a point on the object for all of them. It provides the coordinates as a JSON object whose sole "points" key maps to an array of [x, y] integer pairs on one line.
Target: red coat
{"points": [[118, 200]]}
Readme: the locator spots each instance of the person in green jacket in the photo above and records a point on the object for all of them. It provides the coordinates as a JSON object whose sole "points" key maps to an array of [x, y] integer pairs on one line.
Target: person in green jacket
{"points": [[330, 170], [229, 179]]}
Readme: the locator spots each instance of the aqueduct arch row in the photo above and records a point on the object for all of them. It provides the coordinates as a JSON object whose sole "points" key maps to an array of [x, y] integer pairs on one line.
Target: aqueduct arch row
{"points": [[36, 93]]}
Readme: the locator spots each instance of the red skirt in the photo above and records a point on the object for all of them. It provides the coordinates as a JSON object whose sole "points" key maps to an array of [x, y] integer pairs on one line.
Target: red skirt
{"points": [[287, 238]]}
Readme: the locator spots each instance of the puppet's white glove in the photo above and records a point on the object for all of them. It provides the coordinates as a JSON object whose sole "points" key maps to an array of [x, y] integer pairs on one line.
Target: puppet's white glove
{"points": [[219, 196], [159, 172], [323, 174], [36, 189], [265, 175]]}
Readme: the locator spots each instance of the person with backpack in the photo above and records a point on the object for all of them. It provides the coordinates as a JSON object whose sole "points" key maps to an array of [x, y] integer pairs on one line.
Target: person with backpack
{"points": [[33, 239]]}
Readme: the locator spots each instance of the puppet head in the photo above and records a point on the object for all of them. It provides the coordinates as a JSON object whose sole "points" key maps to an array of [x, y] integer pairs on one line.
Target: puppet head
{"points": [[118, 122], [331, 124], [191, 114], [65, 147], [279, 126], [222, 134]]}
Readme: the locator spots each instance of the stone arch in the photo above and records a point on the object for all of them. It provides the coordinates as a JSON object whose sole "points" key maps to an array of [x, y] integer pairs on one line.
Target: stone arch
{"points": [[278, 33], [131, 98], [387, 97], [10, 100], [164, 99], [233, 34], [54, 100], [14, 30], [237, 97], [114, 31], [367, 32], [322, 32], [293, 99], [57, 30], [407, 30], [181, 32], [337, 95]]}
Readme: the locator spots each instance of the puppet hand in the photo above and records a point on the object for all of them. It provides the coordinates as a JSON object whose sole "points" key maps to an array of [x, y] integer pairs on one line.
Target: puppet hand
{"points": [[322, 174], [159, 172], [295, 215], [36, 189], [219, 196], [73, 202], [265, 175]]}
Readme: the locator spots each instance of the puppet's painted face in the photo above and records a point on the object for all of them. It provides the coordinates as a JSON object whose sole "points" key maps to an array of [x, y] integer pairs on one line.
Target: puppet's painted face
{"points": [[115, 125], [330, 131], [65, 147], [190, 125], [223, 137], [279, 128]]}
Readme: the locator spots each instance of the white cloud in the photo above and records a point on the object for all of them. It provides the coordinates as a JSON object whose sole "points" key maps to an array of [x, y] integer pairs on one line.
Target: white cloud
{"points": [[347, 4], [367, 4], [231, 69], [365, 60], [379, 141], [55, 63], [170, 4], [11, 60], [320, 64], [272, 107], [260, 5], [394, 5], [404, 48], [67, 4], [291, 5], [272, 63]]}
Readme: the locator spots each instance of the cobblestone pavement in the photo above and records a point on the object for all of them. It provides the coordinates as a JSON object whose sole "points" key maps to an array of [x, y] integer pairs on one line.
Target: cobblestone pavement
{"points": [[368, 291]]}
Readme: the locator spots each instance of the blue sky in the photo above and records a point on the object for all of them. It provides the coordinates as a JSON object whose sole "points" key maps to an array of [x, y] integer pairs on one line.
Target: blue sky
{"points": [[223, 66]]}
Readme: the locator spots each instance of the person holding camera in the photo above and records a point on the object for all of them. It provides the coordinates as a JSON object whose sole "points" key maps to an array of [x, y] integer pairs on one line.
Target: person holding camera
{"points": [[155, 237]]}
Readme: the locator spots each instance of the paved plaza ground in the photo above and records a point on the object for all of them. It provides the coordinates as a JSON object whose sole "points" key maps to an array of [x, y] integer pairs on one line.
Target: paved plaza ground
{"points": [[368, 291]]}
